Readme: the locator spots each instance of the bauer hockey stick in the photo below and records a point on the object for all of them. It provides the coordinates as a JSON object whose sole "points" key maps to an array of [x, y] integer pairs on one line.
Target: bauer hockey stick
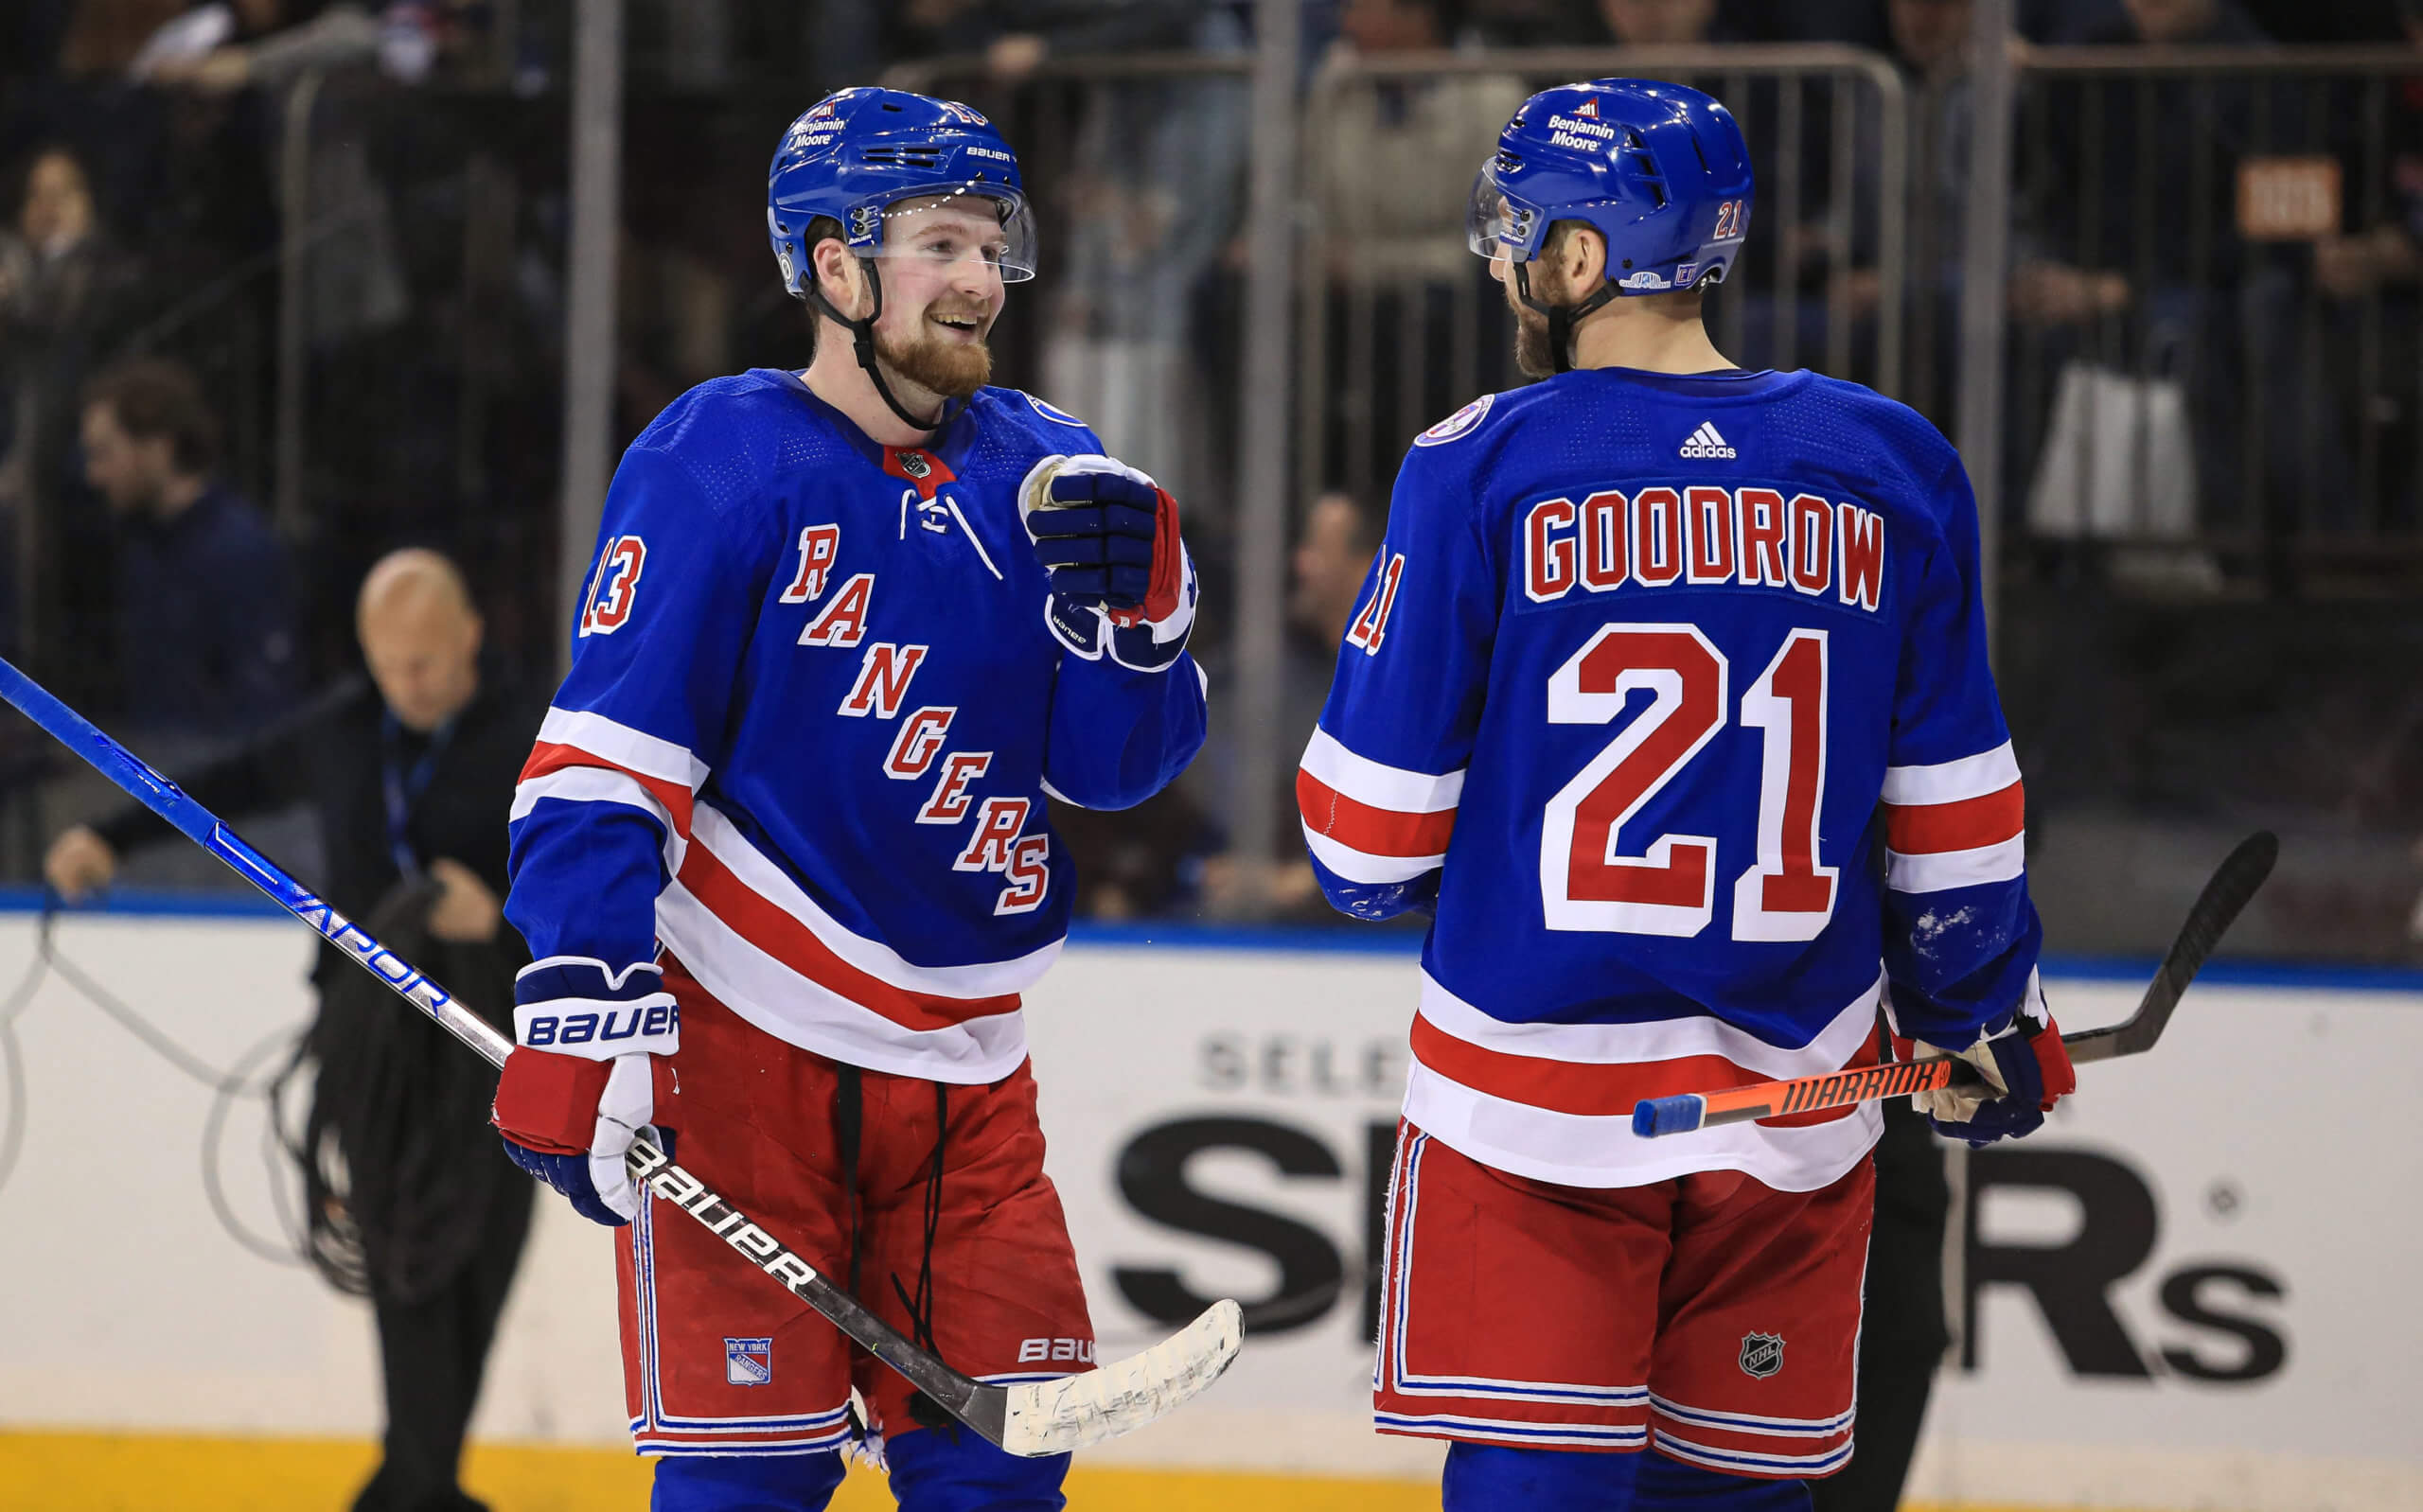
{"points": [[1030, 1418], [2228, 892]]}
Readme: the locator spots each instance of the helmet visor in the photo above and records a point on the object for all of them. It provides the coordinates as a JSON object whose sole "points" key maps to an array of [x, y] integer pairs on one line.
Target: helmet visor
{"points": [[1496, 225], [946, 224]]}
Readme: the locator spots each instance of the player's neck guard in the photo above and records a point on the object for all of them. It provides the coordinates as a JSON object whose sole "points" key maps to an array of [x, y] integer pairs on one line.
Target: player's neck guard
{"points": [[862, 343], [1561, 318]]}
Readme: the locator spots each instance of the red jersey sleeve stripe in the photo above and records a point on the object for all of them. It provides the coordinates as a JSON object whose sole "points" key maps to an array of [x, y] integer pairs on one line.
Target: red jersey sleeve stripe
{"points": [[1597, 1089], [1371, 831], [1396, 788], [548, 757], [1969, 824]]}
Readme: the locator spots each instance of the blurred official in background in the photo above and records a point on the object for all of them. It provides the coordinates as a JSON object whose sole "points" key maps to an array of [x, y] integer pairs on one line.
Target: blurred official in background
{"points": [[1903, 1335], [410, 1202]]}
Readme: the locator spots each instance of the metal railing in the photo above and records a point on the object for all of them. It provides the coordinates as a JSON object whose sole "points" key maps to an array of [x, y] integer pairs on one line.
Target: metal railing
{"points": [[2296, 404], [1393, 323], [2193, 407], [1132, 164], [1140, 169], [1400, 324]]}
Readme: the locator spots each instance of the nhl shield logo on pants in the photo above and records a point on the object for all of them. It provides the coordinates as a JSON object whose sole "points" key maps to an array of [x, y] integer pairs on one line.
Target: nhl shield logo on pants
{"points": [[1762, 1354]]}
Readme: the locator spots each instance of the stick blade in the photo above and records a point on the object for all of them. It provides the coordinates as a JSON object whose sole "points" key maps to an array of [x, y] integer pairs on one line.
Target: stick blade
{"points": [[1055, 1417], [2232, 886]]}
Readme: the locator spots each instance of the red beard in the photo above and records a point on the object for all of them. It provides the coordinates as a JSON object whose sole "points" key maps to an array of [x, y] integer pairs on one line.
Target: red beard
{"points": [[953, 369]]}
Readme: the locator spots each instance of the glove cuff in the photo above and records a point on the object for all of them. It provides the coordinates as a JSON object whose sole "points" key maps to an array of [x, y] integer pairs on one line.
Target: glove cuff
{"points": [[550, 1102], [576, 1007], [569, 1122], [1139, 646], [2053, 1062]]}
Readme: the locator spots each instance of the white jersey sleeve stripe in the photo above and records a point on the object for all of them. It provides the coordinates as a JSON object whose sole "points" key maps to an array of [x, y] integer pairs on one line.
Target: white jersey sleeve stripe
{"points": [[636, 750], [1940, 870], [1364, 867], [601, 784], [1950, 781], [1379, 785]]}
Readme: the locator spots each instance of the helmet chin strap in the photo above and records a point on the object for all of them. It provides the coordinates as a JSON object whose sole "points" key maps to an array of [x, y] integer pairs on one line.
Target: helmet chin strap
{"points": [[1561, 318], [862, 342]]}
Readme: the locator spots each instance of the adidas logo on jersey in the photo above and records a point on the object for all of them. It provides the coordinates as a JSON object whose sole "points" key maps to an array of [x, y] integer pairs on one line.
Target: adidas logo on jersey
{"points": [[1705, 442]]}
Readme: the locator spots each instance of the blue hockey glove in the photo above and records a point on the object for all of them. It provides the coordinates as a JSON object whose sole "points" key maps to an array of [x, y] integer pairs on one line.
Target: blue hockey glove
{"points": [[569, 1121], [2027, 1069], [581, 1080], [1107, 534], [1107, 538]]}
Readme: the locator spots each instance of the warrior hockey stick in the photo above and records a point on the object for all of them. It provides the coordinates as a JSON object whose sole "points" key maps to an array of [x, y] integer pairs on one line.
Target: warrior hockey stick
{"points": [[1030, 1418], [2223, 896]]}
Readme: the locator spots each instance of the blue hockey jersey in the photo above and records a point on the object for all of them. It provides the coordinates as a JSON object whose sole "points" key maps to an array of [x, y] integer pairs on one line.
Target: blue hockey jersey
{"points": [[813, 712], [1647, 670]]}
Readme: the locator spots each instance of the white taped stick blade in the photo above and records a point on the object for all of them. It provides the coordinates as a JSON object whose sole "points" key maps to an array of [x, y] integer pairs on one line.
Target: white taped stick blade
{"points": [[1055, 1417]]}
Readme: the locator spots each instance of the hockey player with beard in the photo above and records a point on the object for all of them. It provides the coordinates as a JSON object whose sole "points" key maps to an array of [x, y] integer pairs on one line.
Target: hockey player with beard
{"points": [[781, 851], [1656, 655]]}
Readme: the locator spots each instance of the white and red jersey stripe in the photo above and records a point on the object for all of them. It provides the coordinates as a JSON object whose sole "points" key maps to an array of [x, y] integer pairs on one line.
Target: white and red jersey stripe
{"points": [[755, 939], [1370, 822], [587, 758], [1553, 1101], [1954, 825]]}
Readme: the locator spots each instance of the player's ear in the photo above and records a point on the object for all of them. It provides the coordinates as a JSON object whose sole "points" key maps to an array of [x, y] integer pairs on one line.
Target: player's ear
{"points": [[1585, 260], [838, 275]]}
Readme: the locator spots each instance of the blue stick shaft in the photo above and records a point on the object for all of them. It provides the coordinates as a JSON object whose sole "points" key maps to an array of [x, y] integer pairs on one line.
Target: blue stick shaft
{"points": [[204, 828]]}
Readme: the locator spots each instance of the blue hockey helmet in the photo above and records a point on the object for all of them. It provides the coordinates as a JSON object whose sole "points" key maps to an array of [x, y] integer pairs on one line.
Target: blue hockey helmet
{"points": [[891, 167], [861, 156], [1658, 169]]}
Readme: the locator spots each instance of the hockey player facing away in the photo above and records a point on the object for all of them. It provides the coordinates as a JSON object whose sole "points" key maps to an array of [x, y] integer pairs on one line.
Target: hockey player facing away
{"points": [[781, 851], [1653, 658]]}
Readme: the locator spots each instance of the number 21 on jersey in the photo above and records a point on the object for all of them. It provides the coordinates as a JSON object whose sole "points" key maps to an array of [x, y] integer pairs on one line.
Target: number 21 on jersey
{"points": [[1595, 876]]}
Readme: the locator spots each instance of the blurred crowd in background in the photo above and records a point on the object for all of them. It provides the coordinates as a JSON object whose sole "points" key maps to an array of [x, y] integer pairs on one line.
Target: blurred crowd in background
{"points": [[282, 288]]}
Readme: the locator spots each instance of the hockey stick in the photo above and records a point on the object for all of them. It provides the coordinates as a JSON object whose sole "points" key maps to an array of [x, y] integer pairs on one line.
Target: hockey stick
{"points": [[2232, 885], [1030, 1418]]}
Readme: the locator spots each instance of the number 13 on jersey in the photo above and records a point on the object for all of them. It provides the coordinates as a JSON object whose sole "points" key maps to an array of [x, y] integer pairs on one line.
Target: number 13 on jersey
{"points": [[1594, 875]]}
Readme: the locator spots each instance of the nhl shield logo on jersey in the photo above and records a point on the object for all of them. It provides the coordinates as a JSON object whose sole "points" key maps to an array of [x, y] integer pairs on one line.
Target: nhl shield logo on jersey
{"points": [[913, 464], [748, 1361], [1458, 424], [1762, 1355]]}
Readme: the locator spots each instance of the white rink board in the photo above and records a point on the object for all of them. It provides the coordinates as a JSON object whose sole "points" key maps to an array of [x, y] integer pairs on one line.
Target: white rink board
{"points": [[1192, 1092]]}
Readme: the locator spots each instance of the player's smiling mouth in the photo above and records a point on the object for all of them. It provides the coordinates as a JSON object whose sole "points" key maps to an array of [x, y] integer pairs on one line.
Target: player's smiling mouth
{"points": [[968, 326]]}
